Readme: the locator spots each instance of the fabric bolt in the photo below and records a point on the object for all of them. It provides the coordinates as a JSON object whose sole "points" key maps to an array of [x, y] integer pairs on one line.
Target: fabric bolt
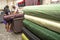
{"points": [[29, 34], [52, 25], [41, 32], [8, 17], [51, 12], [24, 37], [17, 25]]}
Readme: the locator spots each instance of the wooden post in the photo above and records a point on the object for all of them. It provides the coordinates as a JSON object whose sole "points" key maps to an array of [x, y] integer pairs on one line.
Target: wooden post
{"points": [[13, 2], [7, 2]]}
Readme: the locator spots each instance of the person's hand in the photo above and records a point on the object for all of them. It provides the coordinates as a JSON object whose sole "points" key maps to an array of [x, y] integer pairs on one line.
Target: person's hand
{"points": [[9, 13]]}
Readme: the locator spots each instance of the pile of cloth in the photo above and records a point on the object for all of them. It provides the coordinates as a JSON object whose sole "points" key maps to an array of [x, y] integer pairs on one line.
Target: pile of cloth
{"points": [[8, 17], [42, 22]]}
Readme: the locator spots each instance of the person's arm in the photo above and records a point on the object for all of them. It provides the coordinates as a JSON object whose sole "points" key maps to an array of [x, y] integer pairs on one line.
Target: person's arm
{"points": [[15, 11]]}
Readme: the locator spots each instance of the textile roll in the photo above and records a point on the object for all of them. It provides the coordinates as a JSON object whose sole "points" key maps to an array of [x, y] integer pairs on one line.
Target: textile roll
{"points": [[51, 12], [24, 37], [19, 15], [41, 32], [30, 35], [17, 25], [52, 25], [8, 17]]}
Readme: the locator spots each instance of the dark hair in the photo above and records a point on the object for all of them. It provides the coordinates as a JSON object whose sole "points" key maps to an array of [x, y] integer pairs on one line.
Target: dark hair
{"points": [[13, 7], [7, 6]]}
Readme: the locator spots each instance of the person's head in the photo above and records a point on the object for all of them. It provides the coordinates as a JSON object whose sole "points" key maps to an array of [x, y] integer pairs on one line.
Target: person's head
{"points": [[7, 6], [13, 7]]}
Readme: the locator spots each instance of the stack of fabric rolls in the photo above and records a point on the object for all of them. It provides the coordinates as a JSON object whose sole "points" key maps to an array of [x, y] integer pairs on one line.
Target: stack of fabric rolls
{"points": [[42, 21], [29, 35]]}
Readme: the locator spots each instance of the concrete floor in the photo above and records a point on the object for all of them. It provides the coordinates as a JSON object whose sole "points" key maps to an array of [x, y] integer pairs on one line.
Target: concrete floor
{"points": [[8, 36]]}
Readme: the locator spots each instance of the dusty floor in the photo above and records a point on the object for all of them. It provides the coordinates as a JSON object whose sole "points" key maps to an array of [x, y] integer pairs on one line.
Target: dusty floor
{"points": [[8, 36]]}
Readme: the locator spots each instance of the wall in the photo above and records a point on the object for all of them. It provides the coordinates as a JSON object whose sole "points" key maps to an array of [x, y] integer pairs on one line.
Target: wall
{"points": [[46, 2], [50, 2], [31, 2], [2, 3]]}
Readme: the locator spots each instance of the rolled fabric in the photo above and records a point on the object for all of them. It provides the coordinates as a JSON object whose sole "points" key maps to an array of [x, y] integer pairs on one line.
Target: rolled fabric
{"points": [[19, 15], [30, 35], [41, 32], [50, 24], [24, 37], [45, 11], [8, 17]]}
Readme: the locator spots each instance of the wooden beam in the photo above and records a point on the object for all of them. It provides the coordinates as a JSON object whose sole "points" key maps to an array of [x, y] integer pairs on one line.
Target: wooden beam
{"points": [[13, 2], [7, 2]]}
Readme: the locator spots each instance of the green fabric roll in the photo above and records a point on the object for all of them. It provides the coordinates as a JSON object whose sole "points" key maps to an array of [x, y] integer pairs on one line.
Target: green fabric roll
{"points": [[41, 32], [30, 35], [45, 11], [52, 25]]}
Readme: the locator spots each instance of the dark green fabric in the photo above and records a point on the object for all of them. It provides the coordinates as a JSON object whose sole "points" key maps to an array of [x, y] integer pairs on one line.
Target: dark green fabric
{"points": [[44, 11], [30, 35], [52, 25], [41, 32]]}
